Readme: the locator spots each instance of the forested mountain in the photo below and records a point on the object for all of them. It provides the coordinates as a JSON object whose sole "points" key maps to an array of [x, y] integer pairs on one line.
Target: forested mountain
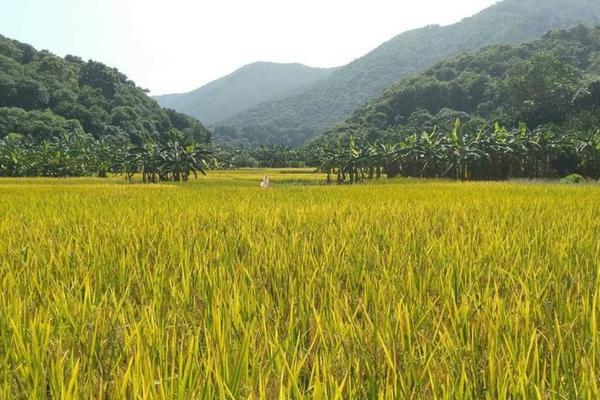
{"points": [[295, 119], [553, 82], [243, 89], [43, 96]]}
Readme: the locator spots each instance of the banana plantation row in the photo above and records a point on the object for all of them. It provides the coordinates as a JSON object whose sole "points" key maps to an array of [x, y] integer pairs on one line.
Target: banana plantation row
{"points": [[172, 158], [496, 154]]}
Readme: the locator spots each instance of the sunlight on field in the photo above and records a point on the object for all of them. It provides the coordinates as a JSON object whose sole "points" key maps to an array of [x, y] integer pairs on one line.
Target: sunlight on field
{"points": [[218, 289]]}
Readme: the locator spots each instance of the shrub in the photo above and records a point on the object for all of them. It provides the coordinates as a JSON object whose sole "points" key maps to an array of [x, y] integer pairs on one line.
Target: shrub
{"points": [[573, 179]]}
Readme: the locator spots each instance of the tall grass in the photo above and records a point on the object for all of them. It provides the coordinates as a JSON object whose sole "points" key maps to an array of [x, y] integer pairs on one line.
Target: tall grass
{"points": [[218, 289]]}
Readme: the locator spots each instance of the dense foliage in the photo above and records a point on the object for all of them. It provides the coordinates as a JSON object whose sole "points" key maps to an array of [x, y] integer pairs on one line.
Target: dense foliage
{"points": [[483, 155], [245, 88], [263, 156], [171, 157], [44, 98], [553, 82], [293, 120]]}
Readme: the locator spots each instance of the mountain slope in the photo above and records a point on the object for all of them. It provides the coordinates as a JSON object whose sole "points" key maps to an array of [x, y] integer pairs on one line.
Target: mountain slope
{"points": [[43, 95], [297, 118], [551, 82], [243, 89]]}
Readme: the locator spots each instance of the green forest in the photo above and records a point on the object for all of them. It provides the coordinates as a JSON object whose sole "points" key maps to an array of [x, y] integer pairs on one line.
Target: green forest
{"points": [[553, 82], [67, 117]]}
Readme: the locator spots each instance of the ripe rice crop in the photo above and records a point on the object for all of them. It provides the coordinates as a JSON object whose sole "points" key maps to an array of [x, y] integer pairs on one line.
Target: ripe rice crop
{"points": [[218, 289]]}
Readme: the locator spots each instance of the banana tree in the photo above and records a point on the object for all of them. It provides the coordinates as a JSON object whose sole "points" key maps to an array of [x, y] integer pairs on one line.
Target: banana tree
{"points": [[587, 148], [388, 158], [464, 151]]}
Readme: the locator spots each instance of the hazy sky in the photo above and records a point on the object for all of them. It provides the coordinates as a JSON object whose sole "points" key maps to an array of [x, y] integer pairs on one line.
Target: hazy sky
{"points": [[177, 45]]}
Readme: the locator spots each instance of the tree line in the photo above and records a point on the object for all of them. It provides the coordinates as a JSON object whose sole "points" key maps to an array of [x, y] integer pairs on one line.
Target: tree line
{"points": [[493, 154], [171, 157], [496, 154]]}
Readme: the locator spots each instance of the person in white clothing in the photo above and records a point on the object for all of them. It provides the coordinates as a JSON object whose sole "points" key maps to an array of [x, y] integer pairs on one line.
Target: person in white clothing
{"points": [[265, 182]]}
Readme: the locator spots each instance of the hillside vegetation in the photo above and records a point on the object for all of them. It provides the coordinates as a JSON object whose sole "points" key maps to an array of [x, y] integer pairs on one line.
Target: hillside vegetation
{"points": [[553, 82], [43, 96], [293, 120], [245, 88], [527, 111]]}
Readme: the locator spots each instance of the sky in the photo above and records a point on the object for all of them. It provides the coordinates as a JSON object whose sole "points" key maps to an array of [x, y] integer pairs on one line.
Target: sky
{"points": [[174, 46]]}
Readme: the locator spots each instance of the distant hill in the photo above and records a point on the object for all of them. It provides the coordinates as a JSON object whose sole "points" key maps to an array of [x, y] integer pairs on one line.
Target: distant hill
{"points": [[297, 118], [43, 95], [551, 82], [243, 89]]}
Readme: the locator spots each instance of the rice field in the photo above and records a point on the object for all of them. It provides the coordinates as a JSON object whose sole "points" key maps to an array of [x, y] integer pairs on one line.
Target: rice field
{"points": [[217, 289]]}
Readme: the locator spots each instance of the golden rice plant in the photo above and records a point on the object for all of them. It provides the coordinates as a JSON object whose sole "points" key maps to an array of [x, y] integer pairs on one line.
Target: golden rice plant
{"points": [[218, 289]]}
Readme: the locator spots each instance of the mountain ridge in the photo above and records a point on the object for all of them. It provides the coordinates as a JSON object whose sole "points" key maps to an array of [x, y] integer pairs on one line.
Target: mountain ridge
{"points": [[293, 120], [246, 87]]}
